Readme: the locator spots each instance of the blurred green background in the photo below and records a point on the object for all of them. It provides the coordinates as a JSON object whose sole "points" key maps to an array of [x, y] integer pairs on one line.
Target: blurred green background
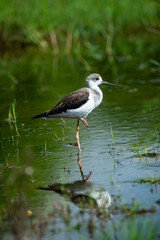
{"points": [[94, 29]]}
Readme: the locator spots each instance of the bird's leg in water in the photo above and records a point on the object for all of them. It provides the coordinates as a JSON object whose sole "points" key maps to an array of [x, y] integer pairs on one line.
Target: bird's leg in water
{"points": [[79, 150], [77, 136], [79, 164], [86, 178]]}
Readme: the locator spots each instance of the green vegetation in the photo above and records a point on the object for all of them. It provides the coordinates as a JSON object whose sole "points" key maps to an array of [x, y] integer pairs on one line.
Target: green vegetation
{"points": [[130, 230], [12, 116], [156, 63], [6, 159], [150, 180], [136, 148], [135, 208], [75, 26], [44, 152]]}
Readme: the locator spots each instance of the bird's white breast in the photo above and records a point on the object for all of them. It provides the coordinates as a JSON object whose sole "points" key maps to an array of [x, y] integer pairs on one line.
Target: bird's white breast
{"points": [[84, 110], [95, 98]]}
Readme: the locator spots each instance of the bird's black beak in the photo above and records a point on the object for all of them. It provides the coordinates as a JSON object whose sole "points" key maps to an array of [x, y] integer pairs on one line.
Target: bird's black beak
{"points": [[110, 83]]}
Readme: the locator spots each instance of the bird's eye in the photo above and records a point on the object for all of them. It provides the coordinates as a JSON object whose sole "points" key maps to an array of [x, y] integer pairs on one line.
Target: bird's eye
{"points": [[97, 78]]}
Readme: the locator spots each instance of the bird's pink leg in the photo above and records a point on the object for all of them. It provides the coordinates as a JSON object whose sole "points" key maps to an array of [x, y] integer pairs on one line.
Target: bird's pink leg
{"points": [[84, 121], [77, 136], [79, 150], [79, 164]]}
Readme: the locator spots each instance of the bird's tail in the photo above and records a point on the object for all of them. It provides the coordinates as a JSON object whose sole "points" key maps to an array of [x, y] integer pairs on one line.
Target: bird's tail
{"points": [[39, 115]]}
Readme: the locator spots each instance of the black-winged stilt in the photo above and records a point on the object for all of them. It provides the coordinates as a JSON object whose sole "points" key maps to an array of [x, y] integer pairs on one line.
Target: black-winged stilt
{"points": [[79, 103]]}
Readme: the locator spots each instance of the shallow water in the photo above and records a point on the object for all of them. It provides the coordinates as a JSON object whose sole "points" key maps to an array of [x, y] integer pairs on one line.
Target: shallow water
{"points": [[44, 153]]}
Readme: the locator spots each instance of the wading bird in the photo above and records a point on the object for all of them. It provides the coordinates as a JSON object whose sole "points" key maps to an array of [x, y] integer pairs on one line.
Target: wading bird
{"points": [[79, 103]]}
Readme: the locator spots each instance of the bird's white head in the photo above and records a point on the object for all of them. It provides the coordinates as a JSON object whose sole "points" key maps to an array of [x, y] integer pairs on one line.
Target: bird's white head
{"points": [[95, 79]]}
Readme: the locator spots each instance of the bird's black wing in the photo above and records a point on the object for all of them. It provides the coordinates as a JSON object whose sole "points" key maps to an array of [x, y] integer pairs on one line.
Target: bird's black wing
{"points": [[72, 101]]}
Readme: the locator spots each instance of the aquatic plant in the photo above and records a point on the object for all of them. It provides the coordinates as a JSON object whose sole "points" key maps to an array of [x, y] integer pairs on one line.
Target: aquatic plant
{"points": [[147, 180], [6, 159], [12, 116], [136, 148], [44, 152], [129, 229]]}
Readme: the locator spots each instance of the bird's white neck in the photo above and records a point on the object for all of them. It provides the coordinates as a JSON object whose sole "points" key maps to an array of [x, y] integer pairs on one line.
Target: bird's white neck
{"points": [[97, 93], [92, 85]]}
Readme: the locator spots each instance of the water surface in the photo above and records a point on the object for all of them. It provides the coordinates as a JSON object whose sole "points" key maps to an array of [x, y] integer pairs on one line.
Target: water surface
{"points": [[44, 152]]}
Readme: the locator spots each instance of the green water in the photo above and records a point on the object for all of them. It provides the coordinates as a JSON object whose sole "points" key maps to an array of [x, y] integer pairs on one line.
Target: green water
{"points": [[44, 152]]}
